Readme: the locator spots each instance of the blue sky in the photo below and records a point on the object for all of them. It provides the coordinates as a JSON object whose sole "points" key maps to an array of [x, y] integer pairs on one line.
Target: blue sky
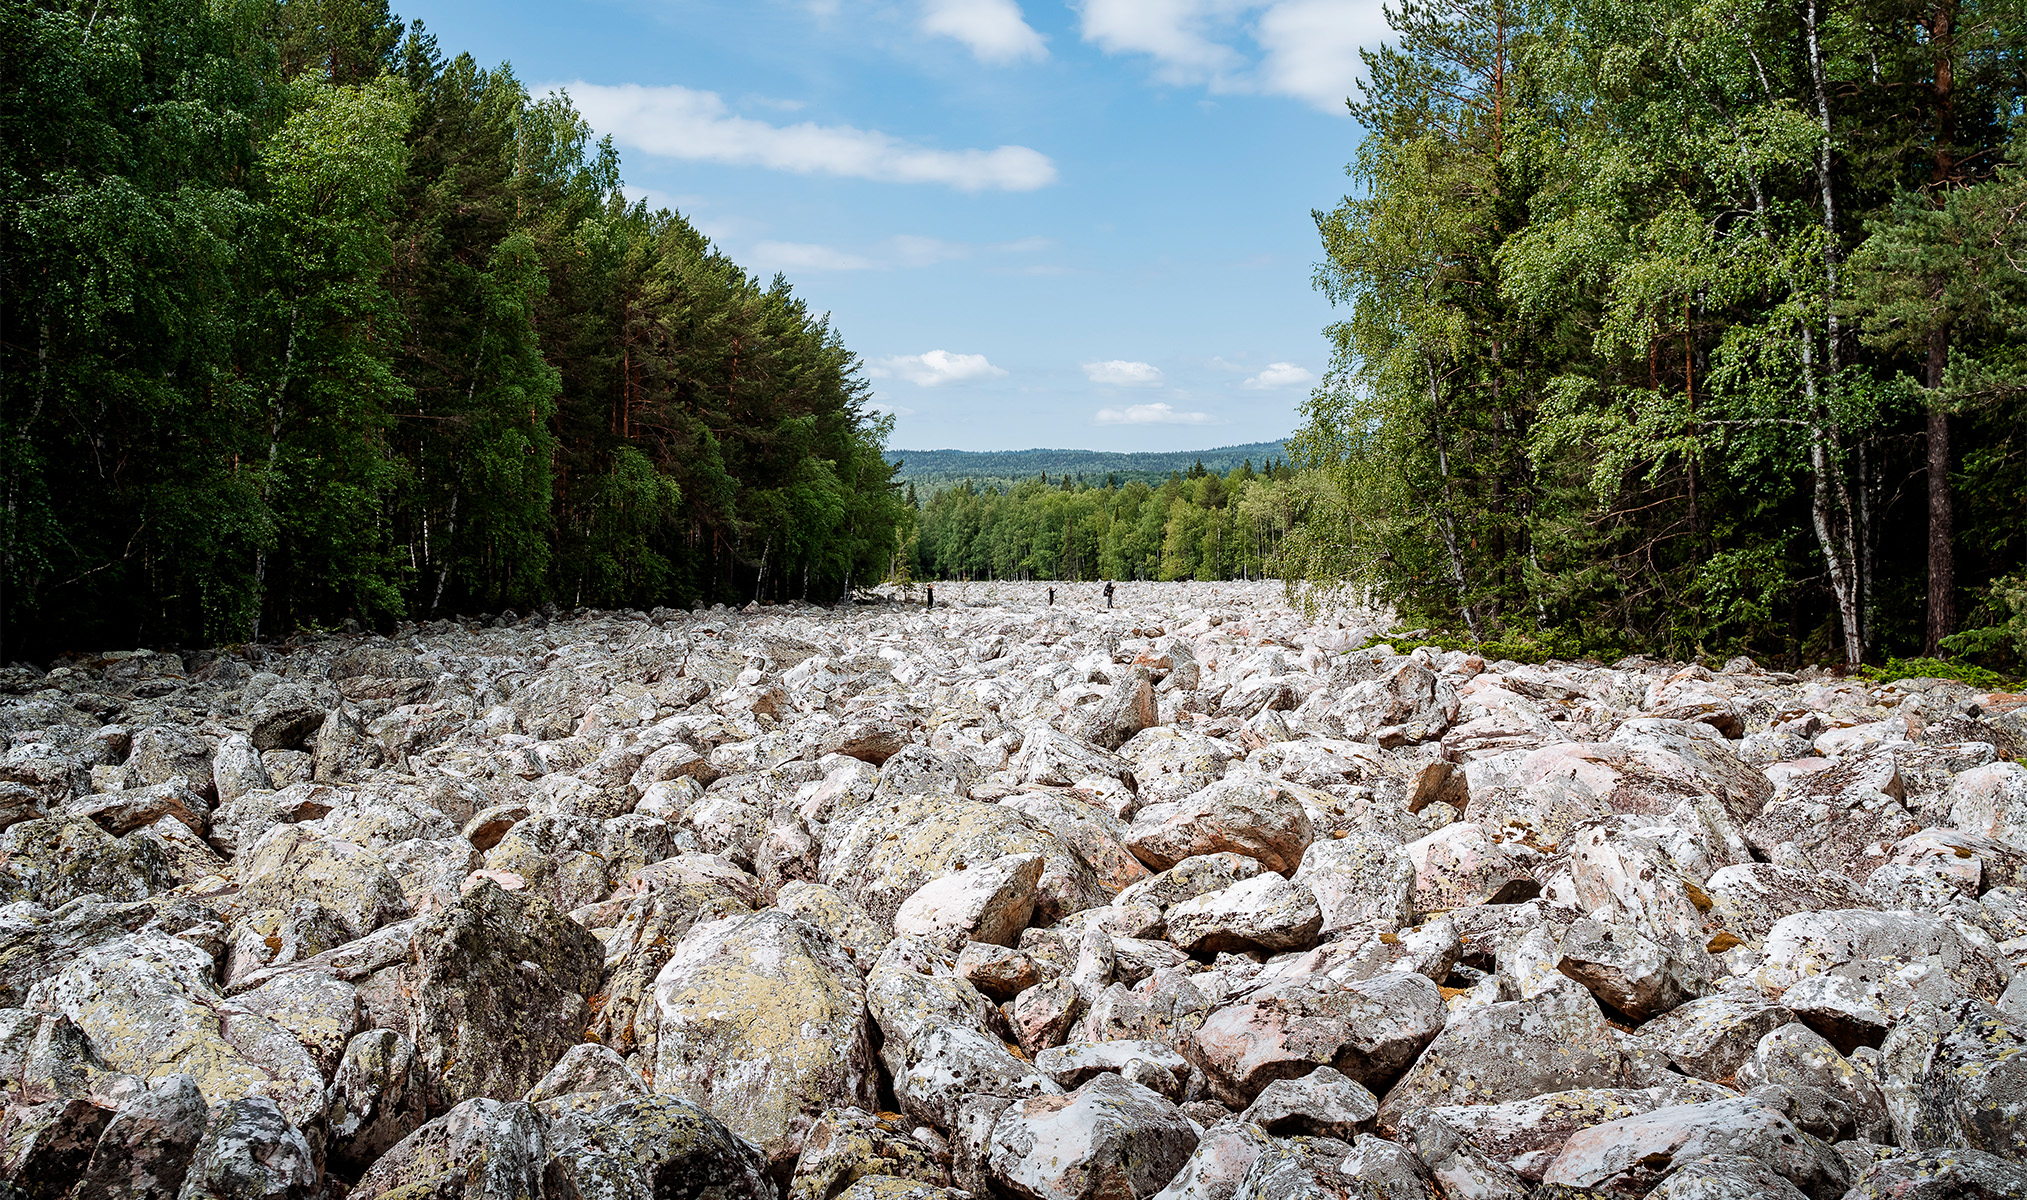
{"points": [[1080, 225]]}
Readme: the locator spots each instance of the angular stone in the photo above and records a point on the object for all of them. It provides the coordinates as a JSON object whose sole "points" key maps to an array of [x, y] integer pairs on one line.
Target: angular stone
{"points": [[1713, 1037], [1361, 879], [251, 1152], [500, 983], [376, 1099], [846, 1145], [1248, 816], [145, 1151], [1109, 1139], [1510, 1050], [1370, 1030], [991, 902], [1460, 866], [1625, 970], [1634, 1153], [485, 1148], [763, 1021], [1265, 912], [1323, 1103]]}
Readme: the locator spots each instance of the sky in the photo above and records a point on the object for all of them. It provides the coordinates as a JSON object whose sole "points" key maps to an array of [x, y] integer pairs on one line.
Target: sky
{"points": [[1040, 223]]}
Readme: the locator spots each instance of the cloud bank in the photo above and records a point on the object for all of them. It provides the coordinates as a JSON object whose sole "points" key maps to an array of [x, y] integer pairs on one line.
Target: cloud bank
{"points": [[1153, 414], [1120, 373], [1307, 49], [934, 368], [680, 122], [993, 29], [1279, 375]]}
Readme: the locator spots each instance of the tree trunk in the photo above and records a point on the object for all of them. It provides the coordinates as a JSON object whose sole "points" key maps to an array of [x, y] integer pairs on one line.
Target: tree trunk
{"points": [[1942, 567]]}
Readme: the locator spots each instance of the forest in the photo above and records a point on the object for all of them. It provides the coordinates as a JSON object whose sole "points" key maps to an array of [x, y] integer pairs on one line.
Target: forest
{"points": [[933, 470], [1683, 326], [1197, 525], [303, 320]]}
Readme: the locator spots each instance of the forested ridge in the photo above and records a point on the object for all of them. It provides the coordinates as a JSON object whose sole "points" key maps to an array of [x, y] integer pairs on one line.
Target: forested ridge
{"points": [[1198, 524], [302, 320], [932, 470], [1683, 326]]}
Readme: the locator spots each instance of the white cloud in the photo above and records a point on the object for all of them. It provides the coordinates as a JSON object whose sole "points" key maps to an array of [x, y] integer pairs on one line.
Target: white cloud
{"points": [[934, 369], [1279, 375], [1307, 49], [1121, 373], [1153, 414], [680, 122], [803, 256], [900, 252], [994, 29], [1172, 32], [1312, 48]]}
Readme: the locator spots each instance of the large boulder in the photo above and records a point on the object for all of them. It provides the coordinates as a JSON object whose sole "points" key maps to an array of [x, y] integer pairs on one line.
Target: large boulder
{"points": [[1246, 815], [1108, 1140], [500, 985], [763, 1024], [148, 1004], [894, 845], [146, 1148], [1635, 1153], [1510, 1050], [1370, 1030], [251, 1152], [991, 903]]}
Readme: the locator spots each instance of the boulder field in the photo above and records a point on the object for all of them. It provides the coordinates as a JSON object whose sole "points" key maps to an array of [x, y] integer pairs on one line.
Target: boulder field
{"points": [[1195, 898]]}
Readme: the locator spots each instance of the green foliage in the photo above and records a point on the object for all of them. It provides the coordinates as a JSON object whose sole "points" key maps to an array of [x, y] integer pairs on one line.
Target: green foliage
{"points": [[1204, 527], [300, 321], [1937, 668], [935, 470], [1610, 372]]}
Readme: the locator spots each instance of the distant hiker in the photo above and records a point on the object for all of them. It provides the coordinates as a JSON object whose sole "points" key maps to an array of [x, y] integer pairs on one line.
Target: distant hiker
{"points": [[1108, 594], [932, 595], [1052, 597]]}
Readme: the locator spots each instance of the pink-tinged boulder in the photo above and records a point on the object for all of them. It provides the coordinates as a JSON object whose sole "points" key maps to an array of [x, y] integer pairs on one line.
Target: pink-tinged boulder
{"points": [[1265, 912], [1370, 1030], [1246, 815], [990, 903], [1109, 1140], [1635, 1153], [1460, 865]]}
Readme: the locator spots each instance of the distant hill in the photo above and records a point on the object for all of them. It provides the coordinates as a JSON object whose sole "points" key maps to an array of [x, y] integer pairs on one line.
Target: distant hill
{"points": [[932, 470]]}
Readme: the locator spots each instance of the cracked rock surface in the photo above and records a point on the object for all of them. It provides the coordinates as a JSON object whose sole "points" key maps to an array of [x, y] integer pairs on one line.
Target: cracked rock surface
{"points": [[1197, 897]]}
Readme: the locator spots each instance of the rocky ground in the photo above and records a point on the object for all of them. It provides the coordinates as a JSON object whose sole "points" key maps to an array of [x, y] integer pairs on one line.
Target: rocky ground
{"points": [[1188, 899]]}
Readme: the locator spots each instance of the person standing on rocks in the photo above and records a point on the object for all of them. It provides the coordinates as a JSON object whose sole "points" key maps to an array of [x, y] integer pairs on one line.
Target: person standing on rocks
{"points": [[931, 590], [1052, 597], [1108, 593]]}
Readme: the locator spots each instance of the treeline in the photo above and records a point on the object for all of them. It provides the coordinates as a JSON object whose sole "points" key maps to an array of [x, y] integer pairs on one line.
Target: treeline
{"points": [[933, 470], [301, 321], [1683, 325], [1197, 525]]}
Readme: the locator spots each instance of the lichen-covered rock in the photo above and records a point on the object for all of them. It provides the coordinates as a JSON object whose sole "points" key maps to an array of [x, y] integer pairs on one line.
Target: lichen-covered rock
{"points": [[1254, 817], [301, 862], [653, 1146], [1109, 1139], [1632, 973], [251, 1152], [1510, 1050], [319, 1011], [762, 1022], [500, 983], [376, 1098], [894, 845], [481, 1147], [1360, 879], [1265, 912], [1712, 1037], [847, 1144], [1370, 1030], [1322, 1102], [1956, 1173], [61, 859], [51, 1144], [145, 1151], [991, 902], [149, 1006], [1634, 1153]]}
